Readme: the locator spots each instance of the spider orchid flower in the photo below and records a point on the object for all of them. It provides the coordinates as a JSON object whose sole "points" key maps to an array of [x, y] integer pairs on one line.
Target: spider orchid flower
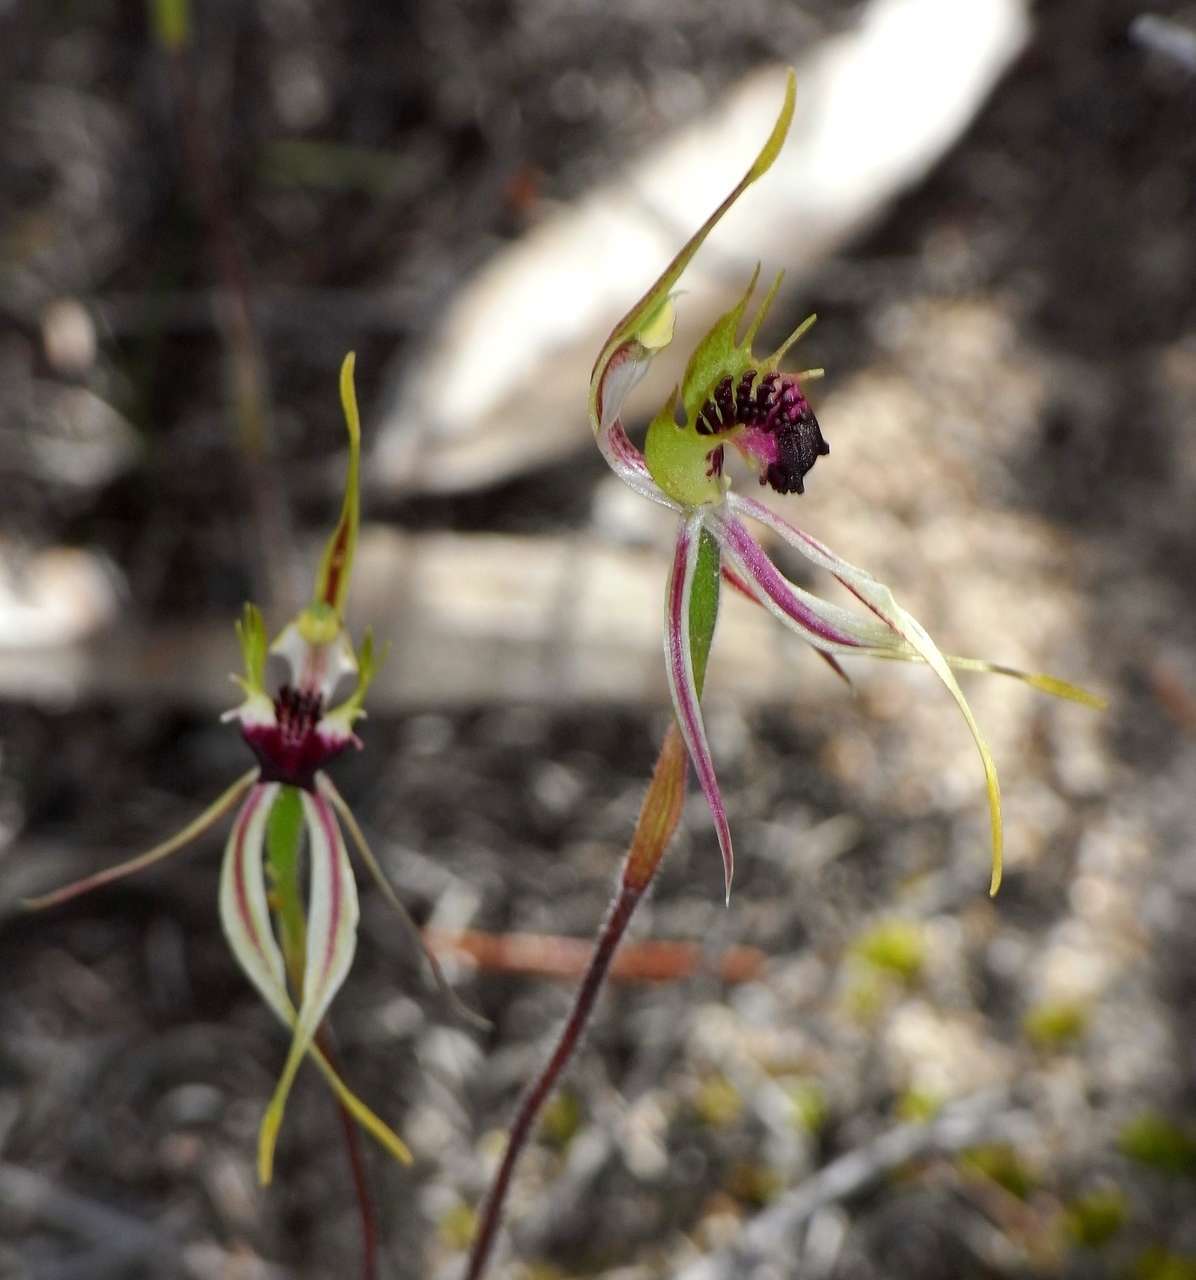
{"points": [[294, 735], [730, 396]]}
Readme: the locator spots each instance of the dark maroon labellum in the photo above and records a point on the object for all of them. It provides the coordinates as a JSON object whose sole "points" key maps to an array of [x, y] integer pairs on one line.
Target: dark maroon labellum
{"points": [[776, 407], [292, 749]]}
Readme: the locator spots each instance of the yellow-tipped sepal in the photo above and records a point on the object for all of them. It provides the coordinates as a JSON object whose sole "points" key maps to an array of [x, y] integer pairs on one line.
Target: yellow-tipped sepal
{"points": [[336, 565], [648, 327]]}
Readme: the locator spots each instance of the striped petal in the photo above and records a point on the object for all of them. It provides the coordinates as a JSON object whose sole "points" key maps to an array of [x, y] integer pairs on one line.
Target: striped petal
{"points": [[244, 910], [893, 648], [679, 665], [828, 627], [245, 915], [907, 628]]}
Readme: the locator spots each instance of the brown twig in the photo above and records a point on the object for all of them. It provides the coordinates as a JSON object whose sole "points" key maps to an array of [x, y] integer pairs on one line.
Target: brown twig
{"points": [[550, 955]]}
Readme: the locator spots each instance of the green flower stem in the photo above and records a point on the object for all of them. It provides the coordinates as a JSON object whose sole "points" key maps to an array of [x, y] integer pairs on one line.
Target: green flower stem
{"points": [[659, 815]]}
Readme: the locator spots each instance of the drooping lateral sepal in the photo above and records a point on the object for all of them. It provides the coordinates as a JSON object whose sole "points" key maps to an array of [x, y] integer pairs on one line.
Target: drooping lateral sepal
{"points": [[880, 600], [180, 840], [683, 685], [830, 628], [328, 788]]}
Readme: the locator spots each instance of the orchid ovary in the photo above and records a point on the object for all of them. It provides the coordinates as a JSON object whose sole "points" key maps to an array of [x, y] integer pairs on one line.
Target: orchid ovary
{"points": [[730, 396]]}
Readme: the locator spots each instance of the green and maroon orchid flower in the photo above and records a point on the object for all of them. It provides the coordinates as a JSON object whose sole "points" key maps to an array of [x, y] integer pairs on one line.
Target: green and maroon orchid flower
{"points": [[294, 736], [730, 396]]}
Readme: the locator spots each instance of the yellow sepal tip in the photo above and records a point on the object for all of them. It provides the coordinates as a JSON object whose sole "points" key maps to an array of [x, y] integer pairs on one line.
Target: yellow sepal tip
{"points": [[375, 1127]]}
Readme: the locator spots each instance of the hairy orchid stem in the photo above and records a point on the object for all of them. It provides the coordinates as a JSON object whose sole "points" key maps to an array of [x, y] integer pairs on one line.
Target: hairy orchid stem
{"points": [[658, 819], [611, 935]]}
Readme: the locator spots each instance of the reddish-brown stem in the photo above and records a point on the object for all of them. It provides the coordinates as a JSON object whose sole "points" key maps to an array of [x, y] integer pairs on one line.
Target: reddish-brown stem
{"points": [[658, 819], [521, 1128], [361, 1186]]}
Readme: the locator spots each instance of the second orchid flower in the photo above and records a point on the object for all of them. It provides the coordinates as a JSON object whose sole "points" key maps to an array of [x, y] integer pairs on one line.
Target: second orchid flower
{"points": [[295, 949]]}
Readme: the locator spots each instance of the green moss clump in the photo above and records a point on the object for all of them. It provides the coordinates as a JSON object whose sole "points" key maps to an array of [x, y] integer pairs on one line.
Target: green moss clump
{"points": [[754, 1184], [1000, 1163], [560, 1119], [456, 1227], [1093, 1219], [809, 1105], [718, 1102], [895, 947], [1056, 1025], [1157, 1264], [917, 1105], [1153, 1140]]}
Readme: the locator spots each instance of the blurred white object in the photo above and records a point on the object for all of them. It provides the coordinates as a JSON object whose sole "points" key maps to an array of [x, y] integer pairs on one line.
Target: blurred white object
{"points": [[76, 438], [57, 596], [501, 387], [69, 337], [1167, 37]]}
